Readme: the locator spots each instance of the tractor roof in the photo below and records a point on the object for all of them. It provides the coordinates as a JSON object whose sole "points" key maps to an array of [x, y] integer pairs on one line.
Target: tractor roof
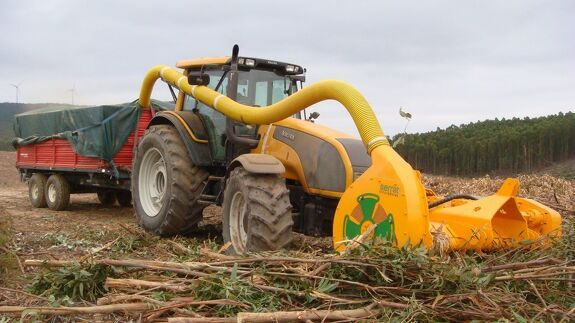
{"points": [[198, 62], [246, 62]]}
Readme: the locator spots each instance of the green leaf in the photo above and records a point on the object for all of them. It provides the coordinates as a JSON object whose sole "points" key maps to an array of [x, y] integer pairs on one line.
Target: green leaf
{"points": [[67, 301], [234, 275], [85, 273], [518, 317], [486, 280], [51, 298], [325, 286]]}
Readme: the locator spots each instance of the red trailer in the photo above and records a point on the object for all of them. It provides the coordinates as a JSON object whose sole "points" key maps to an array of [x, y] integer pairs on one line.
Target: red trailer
{"points": [[54, 169]]}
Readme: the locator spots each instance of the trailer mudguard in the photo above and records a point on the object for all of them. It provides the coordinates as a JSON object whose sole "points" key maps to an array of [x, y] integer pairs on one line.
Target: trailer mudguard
{"points": [[191, 129]]}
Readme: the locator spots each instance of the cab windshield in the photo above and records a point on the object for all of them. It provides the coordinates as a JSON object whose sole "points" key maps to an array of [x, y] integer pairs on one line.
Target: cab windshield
{"points": [[261, 88]]}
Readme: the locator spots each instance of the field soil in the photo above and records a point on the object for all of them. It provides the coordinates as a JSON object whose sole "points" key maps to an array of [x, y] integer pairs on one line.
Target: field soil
{"points": [[32, 228], [86, 226], [90, 231]]}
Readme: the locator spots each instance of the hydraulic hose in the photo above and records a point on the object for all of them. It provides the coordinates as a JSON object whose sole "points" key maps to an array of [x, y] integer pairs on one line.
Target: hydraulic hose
{"points": [[451, 198], [363, 116]]}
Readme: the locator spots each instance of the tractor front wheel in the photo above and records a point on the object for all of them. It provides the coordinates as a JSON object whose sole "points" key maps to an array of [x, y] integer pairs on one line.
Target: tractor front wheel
{"points": [[257, 212]]}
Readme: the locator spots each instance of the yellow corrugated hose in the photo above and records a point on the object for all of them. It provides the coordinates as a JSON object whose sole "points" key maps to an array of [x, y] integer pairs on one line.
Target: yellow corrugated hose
{"points": [[369, 129], [388, 171]]}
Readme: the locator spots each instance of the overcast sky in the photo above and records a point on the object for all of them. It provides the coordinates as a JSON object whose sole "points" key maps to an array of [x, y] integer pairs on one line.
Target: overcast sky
{"points": [[446, 62]]}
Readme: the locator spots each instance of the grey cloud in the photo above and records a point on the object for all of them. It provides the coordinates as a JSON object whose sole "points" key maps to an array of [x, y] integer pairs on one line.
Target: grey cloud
{"points": [[444, 61]]}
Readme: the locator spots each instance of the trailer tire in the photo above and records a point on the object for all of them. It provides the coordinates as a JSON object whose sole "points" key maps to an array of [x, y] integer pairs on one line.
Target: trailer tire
{"points": [[261, 203], [36, 187], [124, 198], [166, 185], [107, 198], [57, 192]]}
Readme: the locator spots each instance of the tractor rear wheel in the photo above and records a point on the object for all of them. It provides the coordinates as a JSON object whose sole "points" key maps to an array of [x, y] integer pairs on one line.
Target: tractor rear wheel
{"points": [[107, 197], [165, 184], [57, 192], [257, 212], [36, 187]]}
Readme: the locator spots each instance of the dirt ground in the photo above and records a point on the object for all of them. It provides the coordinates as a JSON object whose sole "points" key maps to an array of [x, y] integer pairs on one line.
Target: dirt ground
{"points": [[87, 227], [84, 227], [31, 226]]}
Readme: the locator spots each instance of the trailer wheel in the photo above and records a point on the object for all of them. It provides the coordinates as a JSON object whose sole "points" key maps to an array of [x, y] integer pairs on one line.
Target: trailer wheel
{"points": [[257, 212], [36, 186], [124, 198], [165, 184], [57, 192], [107, 197]]}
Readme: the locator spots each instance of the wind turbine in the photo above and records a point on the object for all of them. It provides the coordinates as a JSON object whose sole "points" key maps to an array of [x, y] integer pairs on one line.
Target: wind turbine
{"points": [[17, 87], [73, 90]]}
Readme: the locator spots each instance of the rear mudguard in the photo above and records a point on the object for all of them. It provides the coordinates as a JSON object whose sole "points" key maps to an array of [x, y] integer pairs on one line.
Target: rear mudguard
{"points": [[192, 131]]}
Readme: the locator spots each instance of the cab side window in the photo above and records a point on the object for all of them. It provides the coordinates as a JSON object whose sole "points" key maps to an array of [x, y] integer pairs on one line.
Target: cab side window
{"points": [[214, 121]]}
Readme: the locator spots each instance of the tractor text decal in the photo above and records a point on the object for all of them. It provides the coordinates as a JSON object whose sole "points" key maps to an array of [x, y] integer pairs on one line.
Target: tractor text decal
{"points": [[389, 190]]}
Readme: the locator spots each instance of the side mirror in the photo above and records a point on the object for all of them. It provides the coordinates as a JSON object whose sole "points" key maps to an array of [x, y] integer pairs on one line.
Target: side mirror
{"points": [[313, 115], [198, 78]]}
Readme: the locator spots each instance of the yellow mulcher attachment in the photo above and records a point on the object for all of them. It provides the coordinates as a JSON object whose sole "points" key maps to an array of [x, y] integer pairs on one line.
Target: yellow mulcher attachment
{"points": [[390, 194]]}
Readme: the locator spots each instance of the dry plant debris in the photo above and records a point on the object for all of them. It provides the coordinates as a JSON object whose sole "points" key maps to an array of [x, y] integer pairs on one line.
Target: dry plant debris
{"points": [[183, 280]]}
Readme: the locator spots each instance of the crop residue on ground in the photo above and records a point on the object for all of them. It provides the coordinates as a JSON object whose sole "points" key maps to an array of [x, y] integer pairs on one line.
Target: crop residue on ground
{"points": [[94, 263]]}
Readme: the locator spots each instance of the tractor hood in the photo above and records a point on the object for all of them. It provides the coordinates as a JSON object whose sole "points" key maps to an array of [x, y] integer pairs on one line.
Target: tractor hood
{"points": [[322, 159]]}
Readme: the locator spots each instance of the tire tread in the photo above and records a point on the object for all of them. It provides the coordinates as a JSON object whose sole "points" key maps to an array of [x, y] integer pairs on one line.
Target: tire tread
{"points": [[186, 184], [270, 220]]}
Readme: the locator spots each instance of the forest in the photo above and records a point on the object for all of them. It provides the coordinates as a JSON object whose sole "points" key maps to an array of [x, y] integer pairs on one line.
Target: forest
{"points": [[493, 146]]}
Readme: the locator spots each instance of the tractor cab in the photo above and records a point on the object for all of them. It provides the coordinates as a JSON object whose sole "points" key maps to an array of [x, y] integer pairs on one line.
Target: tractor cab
{"points": [[250, 81]]}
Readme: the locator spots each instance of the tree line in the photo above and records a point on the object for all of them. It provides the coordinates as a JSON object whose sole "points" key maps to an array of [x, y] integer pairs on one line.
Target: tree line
{"points": [[492, 146]]}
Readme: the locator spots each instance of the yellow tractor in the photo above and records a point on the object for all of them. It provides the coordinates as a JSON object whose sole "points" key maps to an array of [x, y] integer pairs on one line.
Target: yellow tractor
{"points": [[239, 137]]}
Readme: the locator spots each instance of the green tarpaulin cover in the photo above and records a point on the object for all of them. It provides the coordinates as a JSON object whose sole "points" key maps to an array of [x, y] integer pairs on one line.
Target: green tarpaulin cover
{"points": [[98, 131]]}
